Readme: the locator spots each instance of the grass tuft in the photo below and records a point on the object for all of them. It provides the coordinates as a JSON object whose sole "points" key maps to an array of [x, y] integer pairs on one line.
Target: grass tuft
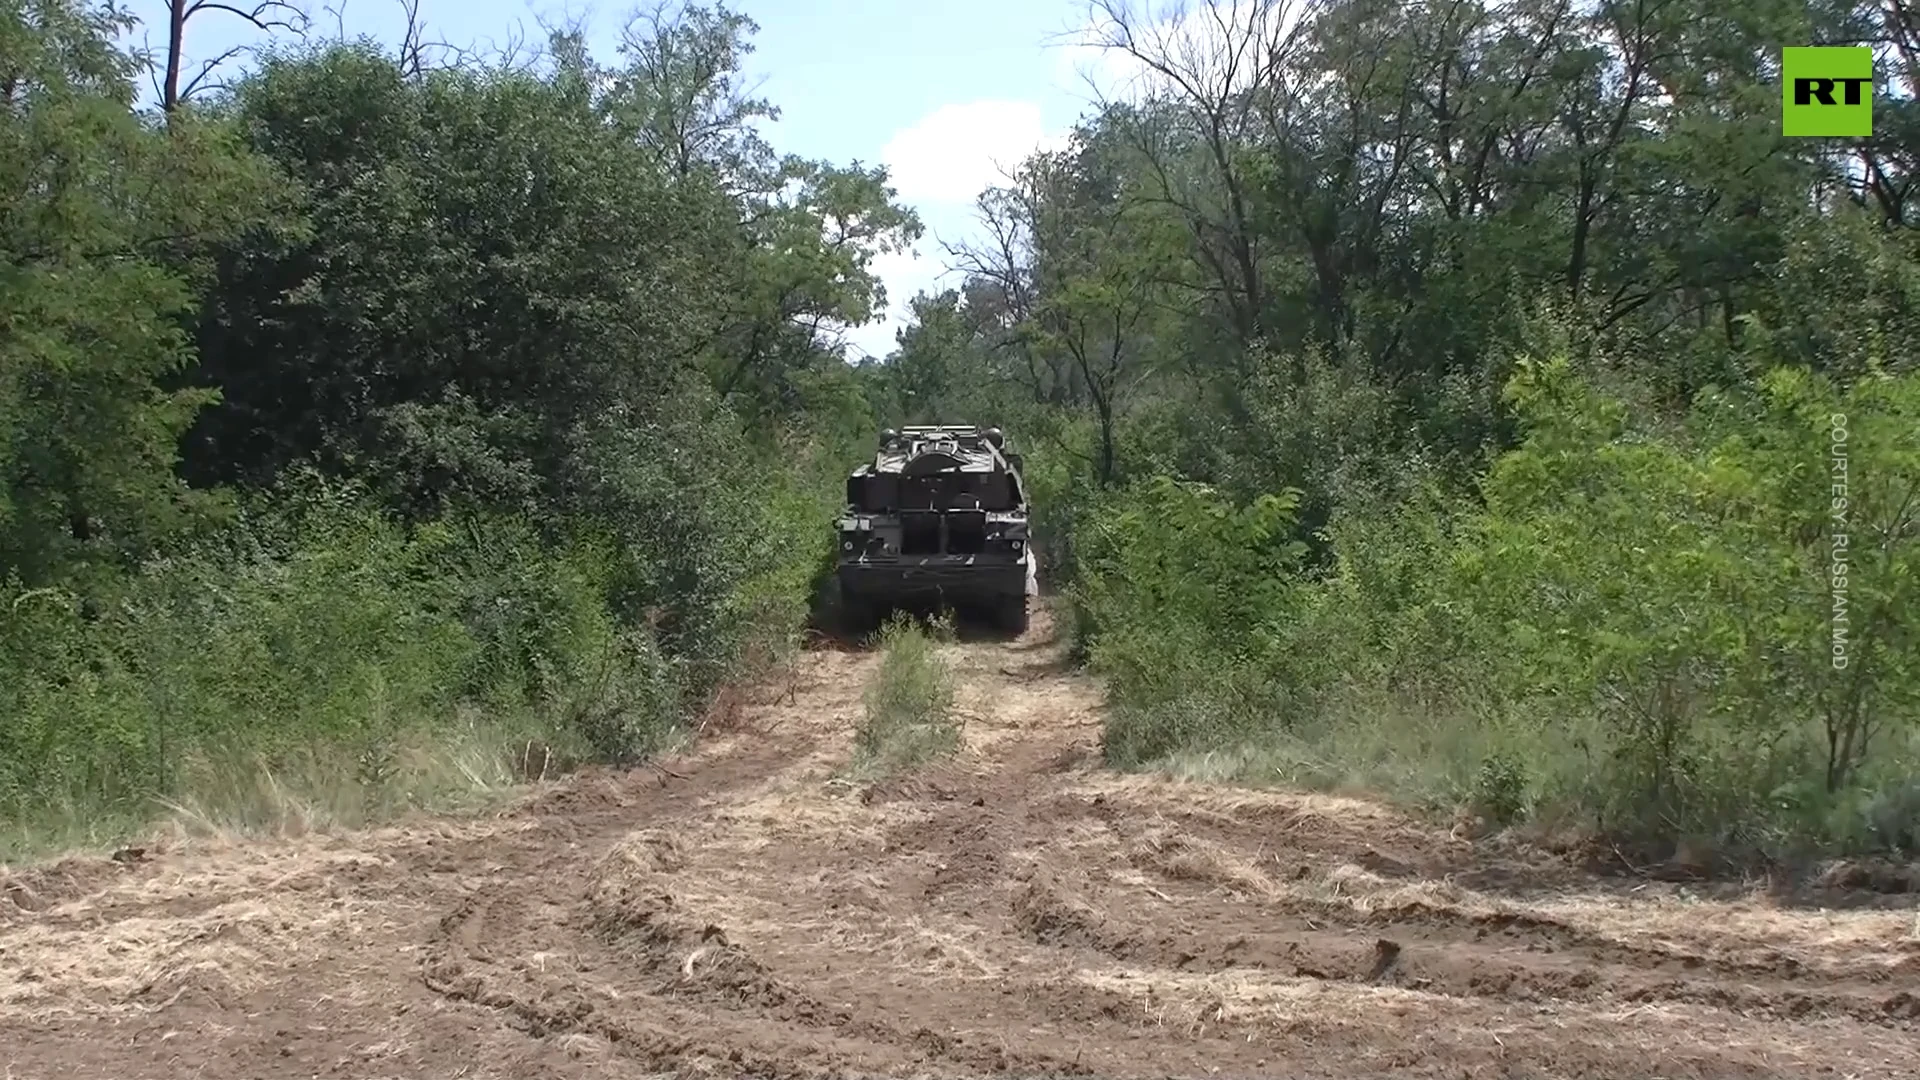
{"points": [[909, 716]]}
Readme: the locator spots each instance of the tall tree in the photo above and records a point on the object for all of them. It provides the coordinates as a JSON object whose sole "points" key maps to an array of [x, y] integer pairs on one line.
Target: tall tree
{"points": [[102, 222]]}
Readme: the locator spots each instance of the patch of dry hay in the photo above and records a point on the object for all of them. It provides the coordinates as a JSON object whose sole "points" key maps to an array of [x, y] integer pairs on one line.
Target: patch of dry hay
{"points": [[1252, 1004], [1183, 857], [1193, 1003], [1147, 793], [1749, 930], [138, 964]]}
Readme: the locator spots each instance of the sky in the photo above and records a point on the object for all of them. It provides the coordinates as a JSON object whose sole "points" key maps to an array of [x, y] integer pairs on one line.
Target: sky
{"points": [[942, 93]]}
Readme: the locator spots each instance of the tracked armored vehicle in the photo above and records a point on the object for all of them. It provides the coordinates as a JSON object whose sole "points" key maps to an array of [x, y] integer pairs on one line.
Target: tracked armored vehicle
{"points": [[938, 518]]}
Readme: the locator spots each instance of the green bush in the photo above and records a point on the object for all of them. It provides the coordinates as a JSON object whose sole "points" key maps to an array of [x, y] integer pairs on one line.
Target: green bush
{"points": [[1678, 591], [316, 631], [1631, 627], [1188, 600], [372, 433]]}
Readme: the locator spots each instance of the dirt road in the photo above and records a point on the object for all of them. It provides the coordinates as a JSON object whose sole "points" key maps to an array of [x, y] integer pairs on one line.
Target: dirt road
{"points": [[1017, 911]]}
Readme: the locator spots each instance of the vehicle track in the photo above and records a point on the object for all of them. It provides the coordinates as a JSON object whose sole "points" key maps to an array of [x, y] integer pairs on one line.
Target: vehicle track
{"points": [[749, 911]]}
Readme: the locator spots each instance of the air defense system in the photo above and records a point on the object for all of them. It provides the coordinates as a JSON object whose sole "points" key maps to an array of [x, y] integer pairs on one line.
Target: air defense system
{"points": [[937, 518]]}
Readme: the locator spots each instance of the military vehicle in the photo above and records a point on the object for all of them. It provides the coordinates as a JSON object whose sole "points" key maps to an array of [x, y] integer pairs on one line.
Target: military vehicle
{"points": [[938, 517]]}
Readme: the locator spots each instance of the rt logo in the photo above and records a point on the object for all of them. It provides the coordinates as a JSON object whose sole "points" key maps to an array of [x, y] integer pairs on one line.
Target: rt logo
{"points": [[1826, 91]]}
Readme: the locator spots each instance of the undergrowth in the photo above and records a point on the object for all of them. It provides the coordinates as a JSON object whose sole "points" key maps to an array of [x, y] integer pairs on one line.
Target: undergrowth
{"points": [[329, 666], [1630, 631]]}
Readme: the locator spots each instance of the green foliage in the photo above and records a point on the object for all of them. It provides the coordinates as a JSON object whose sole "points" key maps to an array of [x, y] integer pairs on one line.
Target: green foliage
{"points": [[495, 393], [1481, 452], [101, 219], [1595, 589], [1500, 788], [908, 716], [1684, 590], [485, 268], [320, 623], [1188, 598], [1640, 623]]}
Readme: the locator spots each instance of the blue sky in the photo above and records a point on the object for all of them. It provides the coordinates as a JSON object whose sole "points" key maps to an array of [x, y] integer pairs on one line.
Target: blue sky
{"points": [[940, 92]]}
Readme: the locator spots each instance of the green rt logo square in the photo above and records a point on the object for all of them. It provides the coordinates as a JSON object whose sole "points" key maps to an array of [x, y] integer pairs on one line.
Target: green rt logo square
{"points": [[1826, 91]]}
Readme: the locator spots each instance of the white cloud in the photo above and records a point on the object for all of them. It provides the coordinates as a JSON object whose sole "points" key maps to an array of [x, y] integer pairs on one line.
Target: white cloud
{"points": [[904, 274], [939, 165], [953, 153]]}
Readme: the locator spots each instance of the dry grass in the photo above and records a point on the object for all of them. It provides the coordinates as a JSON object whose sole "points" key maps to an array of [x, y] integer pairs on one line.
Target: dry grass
{"points": [[1253, 1004], [1748, 929], [1751, 930], [1193, 1002], [1183, 857], [1151, 794], [206, 914], [317, 790], [942, 949], [787, 813], [218, 936], [138, 964], [643, 852]]}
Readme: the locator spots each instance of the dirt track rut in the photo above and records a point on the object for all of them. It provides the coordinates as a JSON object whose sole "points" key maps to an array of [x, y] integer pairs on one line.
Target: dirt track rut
{"points": [[745, 912]]}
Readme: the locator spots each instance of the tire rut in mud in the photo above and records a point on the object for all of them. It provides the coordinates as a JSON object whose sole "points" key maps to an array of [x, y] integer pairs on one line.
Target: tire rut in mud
{"points": [[1459, 955], [670, 988], [1212, 909]]}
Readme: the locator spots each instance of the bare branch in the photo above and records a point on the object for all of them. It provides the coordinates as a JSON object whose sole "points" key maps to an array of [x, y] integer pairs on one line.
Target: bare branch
{"points": [[153, 70], [1211, 68], [268, 16], [410, 44], [339, 13], [198, 82]]}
